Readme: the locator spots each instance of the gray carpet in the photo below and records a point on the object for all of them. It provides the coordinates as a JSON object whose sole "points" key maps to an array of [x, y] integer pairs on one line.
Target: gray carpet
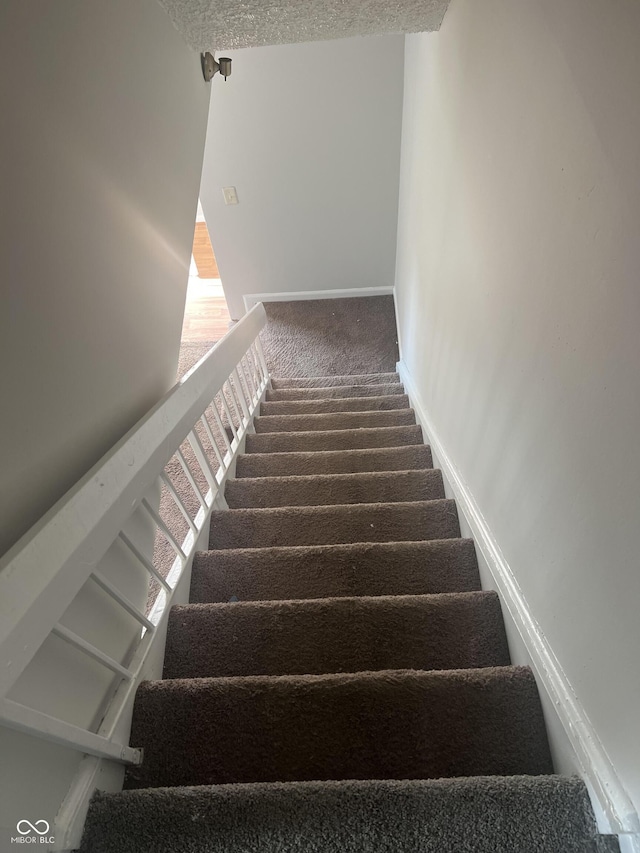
{"points": [[327, 337], [377, 389], [333, 525], [412, 457], [392, 724], [340, 680], [190, 355], [517, 814], [330, 571], [327, 421], [328, 489], [446, 631], [359, 404], [339, 439], [308, 385]]}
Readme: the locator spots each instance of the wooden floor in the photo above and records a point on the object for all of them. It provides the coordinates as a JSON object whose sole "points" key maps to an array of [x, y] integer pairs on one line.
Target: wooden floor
{"points": [[206, 316], [203, 255]]}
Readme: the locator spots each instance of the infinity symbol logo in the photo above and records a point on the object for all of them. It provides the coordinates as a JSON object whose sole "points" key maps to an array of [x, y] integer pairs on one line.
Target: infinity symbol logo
{"points": [[31, 827]]}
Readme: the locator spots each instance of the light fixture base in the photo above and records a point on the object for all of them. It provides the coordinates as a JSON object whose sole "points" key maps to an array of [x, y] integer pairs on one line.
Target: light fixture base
{"points": [[211, 66]]}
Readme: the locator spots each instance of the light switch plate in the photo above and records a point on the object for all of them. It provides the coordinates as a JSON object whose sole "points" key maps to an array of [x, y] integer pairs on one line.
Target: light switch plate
{"points": [[230, 195]]}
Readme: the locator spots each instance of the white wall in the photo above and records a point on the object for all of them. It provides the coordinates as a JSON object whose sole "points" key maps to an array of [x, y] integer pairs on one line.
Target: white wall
{"points": [[103, 111], [310, 136], [519, 306], [104, 114]]}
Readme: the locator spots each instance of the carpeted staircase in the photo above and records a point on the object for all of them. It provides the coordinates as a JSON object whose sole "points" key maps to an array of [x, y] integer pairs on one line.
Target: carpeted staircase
{"points": [[340, 682]]}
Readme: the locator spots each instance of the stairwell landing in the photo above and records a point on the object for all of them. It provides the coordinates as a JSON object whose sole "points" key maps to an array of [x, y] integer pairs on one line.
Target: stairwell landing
{"points": [[339, 681]]}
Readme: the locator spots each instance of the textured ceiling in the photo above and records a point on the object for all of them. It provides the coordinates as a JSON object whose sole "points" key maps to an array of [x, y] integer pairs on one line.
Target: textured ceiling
{"points": [[225, 24]]}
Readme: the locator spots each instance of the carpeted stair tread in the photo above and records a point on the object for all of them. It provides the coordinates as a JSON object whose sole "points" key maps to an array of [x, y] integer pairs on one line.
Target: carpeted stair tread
{"points": [[604, 844], [326, 571], [345, 404], [334, 392], [482, 814], [448, 631], [332, 525], [334, 421], [339, 682], [394, 724], [407, 458], [341, 439], [327, 381], [327, 489]]}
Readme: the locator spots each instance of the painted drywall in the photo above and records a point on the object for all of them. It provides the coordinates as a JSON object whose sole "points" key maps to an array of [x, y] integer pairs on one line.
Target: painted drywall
{"points": [[518, 307], [104, 114], [104, 110], [309, 135]]}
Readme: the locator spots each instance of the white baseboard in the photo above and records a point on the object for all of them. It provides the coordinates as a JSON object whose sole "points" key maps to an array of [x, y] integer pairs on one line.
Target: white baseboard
{"points": [[251, 299], [629, 843], [93, 773], [611, 800]]}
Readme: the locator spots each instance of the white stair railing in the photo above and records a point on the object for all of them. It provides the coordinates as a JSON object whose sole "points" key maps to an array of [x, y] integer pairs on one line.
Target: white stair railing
{"points": [[41, 576]]}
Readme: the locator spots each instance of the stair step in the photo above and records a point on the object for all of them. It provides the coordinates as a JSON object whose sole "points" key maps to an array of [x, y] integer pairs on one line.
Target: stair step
{"points": [[604, 844], [327, 489], [332, 525], [527, 814], [450, 631], [341, 439], [395, 724], [344, 404], [326, 571], [334, 421], [327, 381], [334, 392], [407, 458]]}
